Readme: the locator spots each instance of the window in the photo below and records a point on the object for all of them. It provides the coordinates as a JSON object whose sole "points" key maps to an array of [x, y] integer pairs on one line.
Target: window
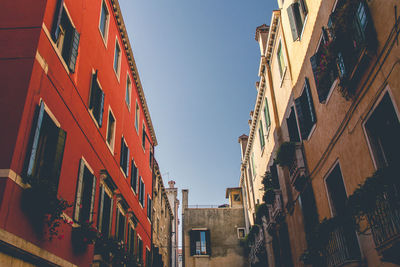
{"points": [[137, 117], [110, 130], [65, 36], [383, 132], [96, 101], [85, 192], [281, 60], [151, 159], [140, 250], [141, 192], [117, 58], [292, 127], [241, 233], [236, 197], [253, 166], [336, 191], [305, 111], [120, 225], [148, 257], [266, 116], [134, 176], [148, 207], [128, 91], [200, 242], [105, 212], [124, 159], [104, 20], [297, 13], [261, 135], [131, 240], [144, 137], [46, 148], [324, 68]]}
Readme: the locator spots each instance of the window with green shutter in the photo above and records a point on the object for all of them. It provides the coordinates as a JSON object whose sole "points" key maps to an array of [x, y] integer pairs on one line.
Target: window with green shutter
{"points": [[261, 135], [297, 13], [266, 115], [46, 149], [105, 212], [281, 60], [134, 177], [96, 100], [85, 193], [305, 111], [124, 157], [65, 36], [200, 242]]}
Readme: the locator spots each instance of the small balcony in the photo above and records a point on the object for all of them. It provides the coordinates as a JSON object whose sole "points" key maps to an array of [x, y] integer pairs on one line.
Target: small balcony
{"points": [[297, 169], [342, 248], [354, 39], [384, 221], [275, 210]]}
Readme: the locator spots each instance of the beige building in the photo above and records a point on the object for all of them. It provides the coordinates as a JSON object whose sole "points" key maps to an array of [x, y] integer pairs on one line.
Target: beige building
{"points": [[172, 194], [162, 219], [211, 237], [325, 119]]}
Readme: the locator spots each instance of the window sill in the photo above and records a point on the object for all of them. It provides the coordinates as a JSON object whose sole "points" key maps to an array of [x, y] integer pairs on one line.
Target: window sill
{"points": [[201, 256]]}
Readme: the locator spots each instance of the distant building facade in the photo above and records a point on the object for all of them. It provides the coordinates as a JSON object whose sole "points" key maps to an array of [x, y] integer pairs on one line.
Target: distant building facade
{"points": [[212, 236], [162, 220], [172, 193]]}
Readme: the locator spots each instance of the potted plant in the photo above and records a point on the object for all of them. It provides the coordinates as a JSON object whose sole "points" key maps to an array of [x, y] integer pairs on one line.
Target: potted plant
{"points": [[83, 235], [285, 154]]}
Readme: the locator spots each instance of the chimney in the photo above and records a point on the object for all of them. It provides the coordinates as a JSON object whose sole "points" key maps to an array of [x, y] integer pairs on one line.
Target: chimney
{"points": [[243, 143], [261, 37], [171, 184], [185, 193]]}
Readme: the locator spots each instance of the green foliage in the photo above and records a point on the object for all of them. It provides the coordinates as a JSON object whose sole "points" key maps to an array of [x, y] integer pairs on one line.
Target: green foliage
{"points": [[383, 185], [41, 204], [114, 252], [83, 235], [269, 185], [285, 154], [261, 210], [248, 240]]}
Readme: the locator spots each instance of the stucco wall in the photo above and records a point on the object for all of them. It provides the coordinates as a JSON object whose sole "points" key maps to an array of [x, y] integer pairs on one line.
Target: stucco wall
{"points": [[225, 245]]}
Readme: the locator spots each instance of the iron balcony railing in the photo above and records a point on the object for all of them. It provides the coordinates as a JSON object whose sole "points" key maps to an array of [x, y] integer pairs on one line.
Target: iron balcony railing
{"points": [[275, 209], [342, 247], [298, 167], [385, 219]]}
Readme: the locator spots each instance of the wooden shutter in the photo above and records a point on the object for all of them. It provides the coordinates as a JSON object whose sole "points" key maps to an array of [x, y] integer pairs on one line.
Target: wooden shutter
{"points": [[314, 65], [100, 211], [55, 29], [310, 102], [192, 235], [143, 194], [110, 216], [101, 109], [266, 114], [208, 242], [73, 50], [93, 199], [293, 11], [127, 162], [300, 117], [58, 156], [35, 131], [78, 196], [93, 91], [303, 6], [122, 155]]}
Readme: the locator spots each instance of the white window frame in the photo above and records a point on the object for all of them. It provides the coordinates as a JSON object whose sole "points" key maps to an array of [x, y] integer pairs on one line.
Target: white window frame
{"points": [[118, 71], [137, 117], [128, 90], [112, 145], [90, 93], [238, 230], [106, 29]]}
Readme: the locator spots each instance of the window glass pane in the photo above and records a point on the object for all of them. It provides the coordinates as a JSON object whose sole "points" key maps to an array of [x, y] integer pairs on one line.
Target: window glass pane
{"points": [[128, 92], [116, 58], [110, 129], [103, 19], [203, 242]]}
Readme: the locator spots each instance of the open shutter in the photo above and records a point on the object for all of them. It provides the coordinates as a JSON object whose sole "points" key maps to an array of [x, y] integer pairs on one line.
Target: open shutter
{"points": [[314, 65], [55, 30], [101, 109], [100, 211], [73, 50], [58, 156], [304, 9], [300, 117], [192, 235], [310, 102], [93, 199], [79, 186], [293, 11], [121, 156], [208, 242], [36, 128]]}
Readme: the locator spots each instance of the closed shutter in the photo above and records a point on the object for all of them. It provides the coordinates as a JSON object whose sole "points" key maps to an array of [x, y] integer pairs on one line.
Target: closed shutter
{"points": [[110, 216], [36, 128], [208, 242], [73, 50], [266, 114], [133, 176], [55, 30], [193, 235], [143, 194], [93, 199], [127, 162], [93, 91], [58, 156], [79, 186], [122, 154], [294, 20]]}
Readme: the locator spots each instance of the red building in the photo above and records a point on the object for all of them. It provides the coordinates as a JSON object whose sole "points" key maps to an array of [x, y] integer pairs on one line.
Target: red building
{"points": [[75, 127]]}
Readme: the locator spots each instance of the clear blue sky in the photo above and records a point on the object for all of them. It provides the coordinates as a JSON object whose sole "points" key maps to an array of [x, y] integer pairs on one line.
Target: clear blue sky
{"points": [[198, 63]]}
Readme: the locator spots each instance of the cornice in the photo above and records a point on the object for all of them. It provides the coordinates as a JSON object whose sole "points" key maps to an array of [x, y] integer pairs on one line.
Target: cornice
{"points": [[276, 15], [132, 64]]}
